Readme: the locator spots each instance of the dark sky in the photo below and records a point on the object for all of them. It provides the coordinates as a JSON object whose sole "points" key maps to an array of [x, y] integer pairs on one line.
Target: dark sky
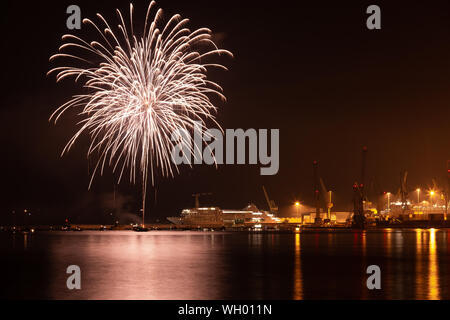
{"points": [[309, 68]]}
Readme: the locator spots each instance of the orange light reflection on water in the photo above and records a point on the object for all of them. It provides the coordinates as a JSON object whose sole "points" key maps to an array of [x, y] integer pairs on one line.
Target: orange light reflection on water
{"points": [[298, 280], [427, 283], [433, 268]]}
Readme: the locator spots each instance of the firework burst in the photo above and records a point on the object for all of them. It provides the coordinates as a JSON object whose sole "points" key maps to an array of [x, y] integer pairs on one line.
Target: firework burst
{"points": [[139, 90]]}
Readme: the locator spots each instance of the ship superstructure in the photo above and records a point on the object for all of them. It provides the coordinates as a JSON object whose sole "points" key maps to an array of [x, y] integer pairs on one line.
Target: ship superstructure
{"points": [[217, 217]]}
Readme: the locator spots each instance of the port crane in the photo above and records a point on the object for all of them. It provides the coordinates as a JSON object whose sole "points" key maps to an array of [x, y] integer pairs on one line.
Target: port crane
{"points": [[273, 208], [404, 190], [327, 197], [317, 219], [359, 196], [447, 193], [197, 196]]}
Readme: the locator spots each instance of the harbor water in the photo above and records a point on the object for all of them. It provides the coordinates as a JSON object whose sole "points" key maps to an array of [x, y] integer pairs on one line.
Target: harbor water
{"points": [[414, 264]]}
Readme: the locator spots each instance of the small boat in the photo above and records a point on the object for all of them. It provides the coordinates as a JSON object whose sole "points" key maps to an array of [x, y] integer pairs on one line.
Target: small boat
{"points": [[27, 230], [140, 229]]}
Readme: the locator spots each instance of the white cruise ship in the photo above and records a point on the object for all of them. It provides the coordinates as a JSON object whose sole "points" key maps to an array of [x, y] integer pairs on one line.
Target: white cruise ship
{"points": [[216, 217]]}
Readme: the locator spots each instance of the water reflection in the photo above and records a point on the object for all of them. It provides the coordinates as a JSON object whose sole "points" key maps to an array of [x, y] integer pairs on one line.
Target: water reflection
{"points": [[398, 247], [388, 246], [219, 265], [364, 293], [140, 266], [433, 269], [420, 277], [427, 267], [298, 281]]}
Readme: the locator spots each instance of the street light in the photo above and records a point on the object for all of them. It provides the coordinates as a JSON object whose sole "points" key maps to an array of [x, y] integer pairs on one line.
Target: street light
{"points": [[432, 193], [389, 201], [297, 205]]}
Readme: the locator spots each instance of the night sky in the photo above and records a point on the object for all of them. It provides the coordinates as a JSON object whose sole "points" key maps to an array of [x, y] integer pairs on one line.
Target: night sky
{"points": [[309, 68]]}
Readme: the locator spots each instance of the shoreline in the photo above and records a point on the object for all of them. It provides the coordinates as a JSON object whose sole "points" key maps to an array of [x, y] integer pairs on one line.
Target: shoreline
{"points": [[289, 228]]}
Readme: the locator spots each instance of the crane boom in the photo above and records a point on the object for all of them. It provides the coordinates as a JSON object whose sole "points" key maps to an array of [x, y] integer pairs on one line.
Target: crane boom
{"points": [[324, 190], [267, 197], [404, 190], [272, 206]]}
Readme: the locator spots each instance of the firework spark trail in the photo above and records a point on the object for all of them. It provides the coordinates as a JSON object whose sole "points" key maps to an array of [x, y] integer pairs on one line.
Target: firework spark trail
{"points": [[144, 89]]}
